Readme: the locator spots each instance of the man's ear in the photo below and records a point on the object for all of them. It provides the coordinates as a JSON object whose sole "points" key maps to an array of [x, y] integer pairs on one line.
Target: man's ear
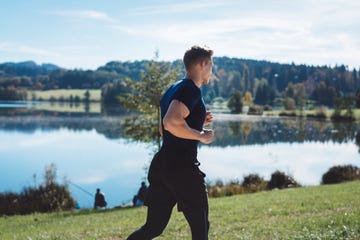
{"points": [[202, 63]]}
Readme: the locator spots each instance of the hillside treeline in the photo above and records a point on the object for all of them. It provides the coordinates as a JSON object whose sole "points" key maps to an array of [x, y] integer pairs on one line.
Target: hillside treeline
{"points": [[265, 81]]}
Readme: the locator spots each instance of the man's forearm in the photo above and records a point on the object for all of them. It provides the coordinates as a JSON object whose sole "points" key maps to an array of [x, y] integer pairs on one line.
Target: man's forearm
{"points": [[182, 130]]}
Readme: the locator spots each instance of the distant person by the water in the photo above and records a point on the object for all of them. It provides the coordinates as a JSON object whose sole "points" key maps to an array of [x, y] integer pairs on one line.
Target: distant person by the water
{"points": [[99, 199], [139, 199]]}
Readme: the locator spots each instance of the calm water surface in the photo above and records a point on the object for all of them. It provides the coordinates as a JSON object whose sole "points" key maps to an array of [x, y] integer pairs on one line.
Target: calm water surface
{"points": [[90, 152]]}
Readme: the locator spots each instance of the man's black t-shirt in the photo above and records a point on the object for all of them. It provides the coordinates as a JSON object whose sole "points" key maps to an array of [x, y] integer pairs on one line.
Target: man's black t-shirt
{"points": [[183, 152]]}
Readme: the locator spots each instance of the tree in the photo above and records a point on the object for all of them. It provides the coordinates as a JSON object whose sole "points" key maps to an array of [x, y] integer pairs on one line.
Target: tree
{"points": [[246, 78], [145, 100], [87, 96], [348, 105], [357, 99], [235, 103], [111, 91], [264, 94], [323, 94], [296, 92], [289, 103], [235, 80], [248, 99], [300, 95], [50, 174]]}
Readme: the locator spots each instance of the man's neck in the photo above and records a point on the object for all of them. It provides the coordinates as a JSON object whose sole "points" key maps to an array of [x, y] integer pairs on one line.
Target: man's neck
{"points": [[195, 78]]}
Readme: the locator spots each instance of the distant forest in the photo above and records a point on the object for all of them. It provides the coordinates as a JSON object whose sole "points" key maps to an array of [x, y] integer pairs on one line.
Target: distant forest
{"points": [[265, 81]]}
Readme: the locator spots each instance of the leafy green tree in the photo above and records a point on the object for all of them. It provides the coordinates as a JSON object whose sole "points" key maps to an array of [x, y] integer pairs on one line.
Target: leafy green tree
{"points": [[264, 94], [357, 99], [145, 100], [12, 93], [289, 103], [337, 107], [235, 103], [324, 95], [246, 78], [235, 80], [348, 105], [111, 91], [87, 96]]}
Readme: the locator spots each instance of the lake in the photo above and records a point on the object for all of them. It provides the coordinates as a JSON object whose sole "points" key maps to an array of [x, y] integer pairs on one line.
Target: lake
{"points": [[90, 150]]}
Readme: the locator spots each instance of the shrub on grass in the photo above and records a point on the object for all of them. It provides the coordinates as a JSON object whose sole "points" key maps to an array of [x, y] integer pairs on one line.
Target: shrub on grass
{"points": [[254, 183], [287, 114], [267, 108], [48, 197], [255, 110], [338, 174], [280, 180], [219, 189], [319, 113]]}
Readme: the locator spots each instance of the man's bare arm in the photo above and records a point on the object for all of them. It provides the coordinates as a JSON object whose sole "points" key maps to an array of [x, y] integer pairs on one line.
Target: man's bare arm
{"points": [[174, 122]]}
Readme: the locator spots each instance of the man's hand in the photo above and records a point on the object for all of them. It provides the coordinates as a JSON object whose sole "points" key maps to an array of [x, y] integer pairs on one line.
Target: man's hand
{"points": [[207, 136], [209, 118]]}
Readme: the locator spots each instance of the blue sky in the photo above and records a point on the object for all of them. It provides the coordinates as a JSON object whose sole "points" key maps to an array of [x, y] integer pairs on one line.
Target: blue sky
{"points": [[87, 34]]}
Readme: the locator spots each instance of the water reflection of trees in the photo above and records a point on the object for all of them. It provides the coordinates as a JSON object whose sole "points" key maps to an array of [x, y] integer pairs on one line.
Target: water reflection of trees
{"points": [[109, 126], [228, 133], [233, 133]]}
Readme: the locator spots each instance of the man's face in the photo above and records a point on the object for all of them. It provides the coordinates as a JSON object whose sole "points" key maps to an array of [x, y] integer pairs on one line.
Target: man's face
{"points": [[207, 71]]}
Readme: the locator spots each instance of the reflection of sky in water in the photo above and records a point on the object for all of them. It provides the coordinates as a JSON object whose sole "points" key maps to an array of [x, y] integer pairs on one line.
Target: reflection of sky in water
{"points": [[90, 160], [306, 162], [84, 157]]}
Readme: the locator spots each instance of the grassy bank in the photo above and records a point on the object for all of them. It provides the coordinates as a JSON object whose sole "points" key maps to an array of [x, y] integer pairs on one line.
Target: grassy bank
{"points": [[320, 212], [329, 113], [95, 94], [93, 107], [61, 101]]}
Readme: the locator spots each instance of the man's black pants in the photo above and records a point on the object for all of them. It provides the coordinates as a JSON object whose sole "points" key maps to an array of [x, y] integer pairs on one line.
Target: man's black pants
{"points": [[158, 218], [182, 186]]}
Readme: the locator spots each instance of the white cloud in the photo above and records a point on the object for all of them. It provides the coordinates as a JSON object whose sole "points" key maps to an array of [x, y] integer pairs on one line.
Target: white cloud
{"points": [[310, 32], [183, 7], [85, 14], [302, 32], [24, 49]]}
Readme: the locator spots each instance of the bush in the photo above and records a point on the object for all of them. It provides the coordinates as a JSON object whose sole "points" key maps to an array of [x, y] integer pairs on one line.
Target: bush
{"points": [[48, 197], [338, 174], [289, 103], [235, 104], [219, 189], [287, 114], [252, 180], [267, 108], [251, 183], [319, 113], [281, 180], [255, 110], [254, 183]]}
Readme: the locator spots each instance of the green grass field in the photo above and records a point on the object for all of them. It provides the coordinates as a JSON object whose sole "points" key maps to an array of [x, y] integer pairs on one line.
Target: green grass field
{"points": [[319, 212], [65, 106]]}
